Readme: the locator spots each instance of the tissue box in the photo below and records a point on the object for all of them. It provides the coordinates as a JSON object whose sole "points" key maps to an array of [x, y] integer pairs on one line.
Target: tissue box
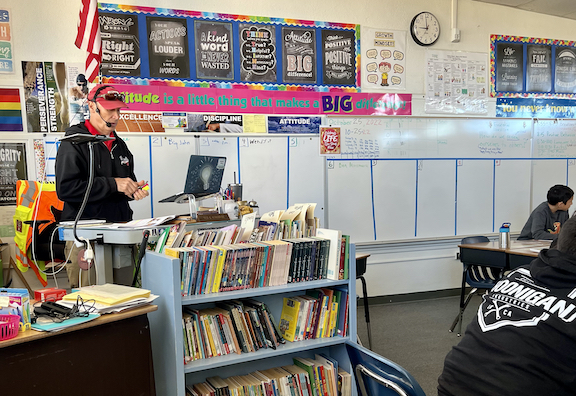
{"points": [[15, 302]]}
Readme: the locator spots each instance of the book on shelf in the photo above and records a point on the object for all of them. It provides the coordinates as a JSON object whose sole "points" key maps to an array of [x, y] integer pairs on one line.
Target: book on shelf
{"points": [[289, 318], [335, 237]]}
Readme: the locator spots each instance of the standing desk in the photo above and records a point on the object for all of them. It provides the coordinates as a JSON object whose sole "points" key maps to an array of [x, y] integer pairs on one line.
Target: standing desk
{"points": [[105, 238], [110, 355], [488, 254]]}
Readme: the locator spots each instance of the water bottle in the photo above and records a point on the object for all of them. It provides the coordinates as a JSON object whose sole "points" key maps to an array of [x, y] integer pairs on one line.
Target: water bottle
{"points": [[504, 240]]}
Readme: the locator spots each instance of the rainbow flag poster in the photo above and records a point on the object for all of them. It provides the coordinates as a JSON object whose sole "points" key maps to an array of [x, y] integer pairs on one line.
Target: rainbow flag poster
{"points": [[10, 110]]}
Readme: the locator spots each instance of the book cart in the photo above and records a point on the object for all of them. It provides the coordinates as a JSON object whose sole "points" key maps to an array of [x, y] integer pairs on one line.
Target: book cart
{"points": [[161, 274]]}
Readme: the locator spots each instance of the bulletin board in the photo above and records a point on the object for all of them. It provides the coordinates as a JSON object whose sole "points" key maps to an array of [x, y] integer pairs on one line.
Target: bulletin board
{"points": [[141, 45]]}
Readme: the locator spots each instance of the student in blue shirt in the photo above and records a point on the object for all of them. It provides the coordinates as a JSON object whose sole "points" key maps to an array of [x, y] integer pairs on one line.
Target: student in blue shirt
{"points": [[546, 220]]}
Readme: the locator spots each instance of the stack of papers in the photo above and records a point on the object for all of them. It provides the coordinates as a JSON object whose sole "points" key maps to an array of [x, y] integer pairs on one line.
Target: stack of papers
{"points": [[108, 294], [104, 308]]}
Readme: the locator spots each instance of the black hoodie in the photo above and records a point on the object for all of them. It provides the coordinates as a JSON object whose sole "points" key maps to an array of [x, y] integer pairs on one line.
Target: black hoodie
{"points": [[523, 340], [72, 172]]}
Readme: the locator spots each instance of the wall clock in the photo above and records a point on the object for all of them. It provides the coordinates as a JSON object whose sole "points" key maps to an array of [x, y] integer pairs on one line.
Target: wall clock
{"points": [[425, 29]]}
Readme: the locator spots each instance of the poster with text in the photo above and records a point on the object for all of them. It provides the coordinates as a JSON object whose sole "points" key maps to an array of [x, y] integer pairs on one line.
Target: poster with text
{"points": [[330, 142], [539, 68], [214, 53], [258, 53], [12, 168], [565, 73], [299, 55], [456, 82], [6, 56], [35, 96], [168, 47], [120, 44], [289, 124], [339, 57], [56, 96], [384, 63], [225, 123], [510, 67]]}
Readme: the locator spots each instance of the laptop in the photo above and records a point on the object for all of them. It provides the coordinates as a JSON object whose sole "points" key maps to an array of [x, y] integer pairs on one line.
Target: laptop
{"points": [[203, 179]]}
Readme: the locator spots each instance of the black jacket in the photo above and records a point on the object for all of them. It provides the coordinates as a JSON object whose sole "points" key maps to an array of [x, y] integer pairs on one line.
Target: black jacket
{"points": [[523, 340], [72, 173]]}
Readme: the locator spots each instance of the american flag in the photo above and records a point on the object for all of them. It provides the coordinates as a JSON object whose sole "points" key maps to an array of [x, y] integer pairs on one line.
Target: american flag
{"points": [[88, 37]]}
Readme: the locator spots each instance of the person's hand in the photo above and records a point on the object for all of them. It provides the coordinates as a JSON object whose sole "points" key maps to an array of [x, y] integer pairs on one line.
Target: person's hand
{"points": [[140, 193], [213, 127], [128, 186]]}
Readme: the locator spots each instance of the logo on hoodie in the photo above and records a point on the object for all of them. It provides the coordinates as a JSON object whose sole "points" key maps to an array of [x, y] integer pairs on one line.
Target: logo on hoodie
{"points": [[518, 301], [124, 161]]}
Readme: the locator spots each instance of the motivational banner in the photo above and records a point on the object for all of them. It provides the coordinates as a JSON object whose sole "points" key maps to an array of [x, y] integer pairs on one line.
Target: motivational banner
{"points": [[531, 67], [230, 101], [214, 50], [168, 47], [220, 50], [258, 52], [120, 44], [535, 108]]}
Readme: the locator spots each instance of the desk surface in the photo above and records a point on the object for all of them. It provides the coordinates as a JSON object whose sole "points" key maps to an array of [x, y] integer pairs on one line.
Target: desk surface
{"points": [[521, 248], [32, 335]]}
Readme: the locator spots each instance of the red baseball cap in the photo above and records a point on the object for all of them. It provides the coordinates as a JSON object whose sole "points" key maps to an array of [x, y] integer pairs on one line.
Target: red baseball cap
{"points": [[107, 96]]}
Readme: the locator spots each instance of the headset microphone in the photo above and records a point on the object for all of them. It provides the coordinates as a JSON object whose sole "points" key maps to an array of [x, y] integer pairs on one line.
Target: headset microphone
{"points": [[107, 123]]}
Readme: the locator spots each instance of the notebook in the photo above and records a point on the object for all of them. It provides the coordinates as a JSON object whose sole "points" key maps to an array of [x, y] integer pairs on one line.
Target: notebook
{"points": [[203, 179]]}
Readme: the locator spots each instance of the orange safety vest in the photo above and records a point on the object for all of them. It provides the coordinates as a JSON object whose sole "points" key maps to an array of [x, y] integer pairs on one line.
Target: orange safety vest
{"points": [[29, 194]]}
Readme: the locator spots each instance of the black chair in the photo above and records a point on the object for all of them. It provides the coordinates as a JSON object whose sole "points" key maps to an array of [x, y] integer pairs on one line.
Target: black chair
{"points": [[361, 262], [478, 276]]}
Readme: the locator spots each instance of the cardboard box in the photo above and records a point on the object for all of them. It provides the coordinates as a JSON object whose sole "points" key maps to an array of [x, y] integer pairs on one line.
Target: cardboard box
{"points": [[49, 294], [15, 302]]}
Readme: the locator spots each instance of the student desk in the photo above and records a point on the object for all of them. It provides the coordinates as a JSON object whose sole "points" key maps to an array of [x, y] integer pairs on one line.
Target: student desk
{"points": [[110, 355], [490, 255]]}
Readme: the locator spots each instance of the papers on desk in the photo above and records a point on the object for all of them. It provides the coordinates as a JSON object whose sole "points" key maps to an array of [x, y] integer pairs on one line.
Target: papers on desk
{"points": [[537, 250], [47, 324], [83, 223], [105, 309], [107, 294], [145, 223]]}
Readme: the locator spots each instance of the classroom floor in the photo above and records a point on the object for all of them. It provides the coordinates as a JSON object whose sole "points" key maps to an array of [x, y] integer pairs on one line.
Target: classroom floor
{"points": [[415, 334]]}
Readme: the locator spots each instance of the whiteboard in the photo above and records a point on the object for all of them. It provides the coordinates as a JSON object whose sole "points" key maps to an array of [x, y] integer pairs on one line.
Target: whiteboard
{"points": [[511, 193], [263, 171], [349, 198], [139, 146], [169, 159], [433, 137], [474, 196], [436, 198], [306, 173], [394, 199], [545, 174], [555, 139]]}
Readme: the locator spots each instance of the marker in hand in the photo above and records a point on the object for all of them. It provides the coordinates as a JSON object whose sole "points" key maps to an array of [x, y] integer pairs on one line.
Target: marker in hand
{"points": [[145, 187]]}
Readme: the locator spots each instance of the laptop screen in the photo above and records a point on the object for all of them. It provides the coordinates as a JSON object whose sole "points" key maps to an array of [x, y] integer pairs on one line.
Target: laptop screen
{"points": [[204, 175]]}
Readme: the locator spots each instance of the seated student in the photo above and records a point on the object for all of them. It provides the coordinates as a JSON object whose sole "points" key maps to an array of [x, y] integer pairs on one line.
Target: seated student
{"points": [[546, 220], [523, 339]]}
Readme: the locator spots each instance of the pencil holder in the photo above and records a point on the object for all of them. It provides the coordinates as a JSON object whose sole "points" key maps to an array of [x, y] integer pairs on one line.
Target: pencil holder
{"points": [[8, 326]]}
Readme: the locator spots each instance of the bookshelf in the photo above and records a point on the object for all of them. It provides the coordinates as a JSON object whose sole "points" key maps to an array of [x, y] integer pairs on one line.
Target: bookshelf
{"points": [[161, 274]]}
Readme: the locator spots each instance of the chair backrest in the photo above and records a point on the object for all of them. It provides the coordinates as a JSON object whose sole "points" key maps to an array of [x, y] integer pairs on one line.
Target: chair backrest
{"points": [[474, 239], [478, 276]]}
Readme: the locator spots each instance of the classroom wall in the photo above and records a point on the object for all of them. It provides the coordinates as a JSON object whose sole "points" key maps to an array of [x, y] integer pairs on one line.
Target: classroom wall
{"points": [[45, 31]]}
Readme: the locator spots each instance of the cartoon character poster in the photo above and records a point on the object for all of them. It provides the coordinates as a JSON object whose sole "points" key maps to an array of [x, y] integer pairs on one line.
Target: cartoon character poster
{"points": [[383, 59]]}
